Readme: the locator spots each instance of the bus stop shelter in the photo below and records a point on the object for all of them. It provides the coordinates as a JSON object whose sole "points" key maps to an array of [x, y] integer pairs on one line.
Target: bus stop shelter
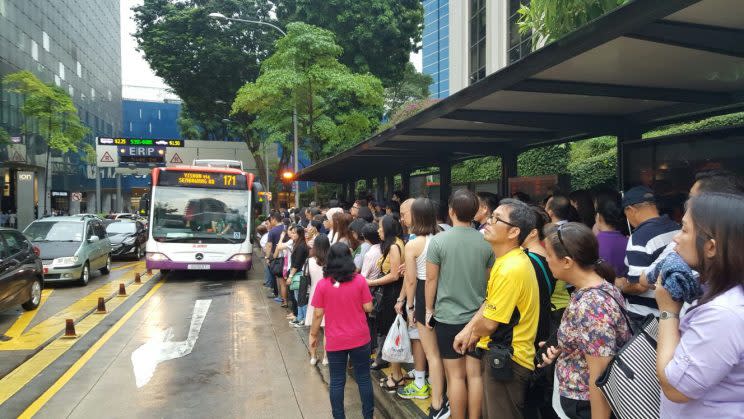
{"points": [[648, 63]]}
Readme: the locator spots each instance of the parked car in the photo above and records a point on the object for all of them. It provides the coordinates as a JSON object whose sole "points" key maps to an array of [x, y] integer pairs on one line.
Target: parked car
{"points": [[71, 247], [128, 238], [21, 277]]}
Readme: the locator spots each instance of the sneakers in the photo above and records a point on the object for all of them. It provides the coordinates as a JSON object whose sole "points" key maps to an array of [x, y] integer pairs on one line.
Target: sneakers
{"points": [[325, 361], [412, 391], [313, 361], [278, 299], [441, 413]]}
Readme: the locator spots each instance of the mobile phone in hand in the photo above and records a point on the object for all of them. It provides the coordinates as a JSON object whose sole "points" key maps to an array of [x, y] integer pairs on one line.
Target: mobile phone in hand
{"points": [[552, 341]]}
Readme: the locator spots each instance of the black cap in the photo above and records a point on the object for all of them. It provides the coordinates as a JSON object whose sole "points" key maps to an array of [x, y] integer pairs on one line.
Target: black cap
{"points": [[637, 195]]}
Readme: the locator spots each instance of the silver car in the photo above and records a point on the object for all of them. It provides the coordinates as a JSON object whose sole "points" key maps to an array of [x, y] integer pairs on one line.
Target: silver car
{"points": [[71, 247]]}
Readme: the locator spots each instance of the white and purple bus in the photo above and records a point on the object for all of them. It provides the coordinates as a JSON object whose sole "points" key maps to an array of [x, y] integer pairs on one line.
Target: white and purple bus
{"points": [[200, 219]]}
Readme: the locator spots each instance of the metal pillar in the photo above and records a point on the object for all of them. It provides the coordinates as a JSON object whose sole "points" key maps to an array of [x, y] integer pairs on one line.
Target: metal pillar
{"points": [[630, 134], [97, 208], [405, 180], [296, 184], [380, 188], [445, 182], [508, 169], [119, 200], [390, 187], [367, 186]]}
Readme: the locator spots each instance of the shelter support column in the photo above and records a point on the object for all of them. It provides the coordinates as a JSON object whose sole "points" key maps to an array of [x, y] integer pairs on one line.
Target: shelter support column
{"points": [[631, 133], [380, 188], [390, 188], [445, 182], [508, 169], [344, 192], [405, 180], [367, 186]]}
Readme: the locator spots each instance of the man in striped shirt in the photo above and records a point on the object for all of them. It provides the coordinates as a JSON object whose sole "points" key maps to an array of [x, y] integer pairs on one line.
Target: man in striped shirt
{"points": [[651, 235]]}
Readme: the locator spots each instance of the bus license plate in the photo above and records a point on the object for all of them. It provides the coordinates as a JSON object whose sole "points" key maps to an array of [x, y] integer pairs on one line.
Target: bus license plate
{"points": [[198, 267]]}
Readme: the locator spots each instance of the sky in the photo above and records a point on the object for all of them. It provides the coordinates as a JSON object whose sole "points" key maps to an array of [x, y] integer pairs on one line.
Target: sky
{"points": [[138, 79]]}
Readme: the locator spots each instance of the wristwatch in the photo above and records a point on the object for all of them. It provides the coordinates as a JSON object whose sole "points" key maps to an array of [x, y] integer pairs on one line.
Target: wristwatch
{"points": [[668, 315]]}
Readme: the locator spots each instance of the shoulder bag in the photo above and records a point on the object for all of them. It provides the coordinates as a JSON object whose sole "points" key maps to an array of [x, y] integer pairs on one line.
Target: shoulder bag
{"points": [[304, 289], [630, 383]]}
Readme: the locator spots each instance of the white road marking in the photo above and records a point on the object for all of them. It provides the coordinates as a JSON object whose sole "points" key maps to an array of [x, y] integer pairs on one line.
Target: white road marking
{"points": [[160, 347]]}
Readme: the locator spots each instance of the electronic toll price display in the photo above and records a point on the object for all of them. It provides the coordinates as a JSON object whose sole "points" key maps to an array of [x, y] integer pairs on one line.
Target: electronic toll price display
{"points": [[141, 155], [146, 142], [202, 180]]}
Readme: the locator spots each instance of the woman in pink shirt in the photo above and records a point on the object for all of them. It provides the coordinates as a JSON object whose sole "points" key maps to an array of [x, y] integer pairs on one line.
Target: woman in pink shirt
{"points": [[343, 297]]}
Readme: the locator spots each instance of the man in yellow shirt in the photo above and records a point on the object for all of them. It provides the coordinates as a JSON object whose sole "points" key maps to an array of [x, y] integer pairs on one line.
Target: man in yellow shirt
{"points": [[507, 320]]}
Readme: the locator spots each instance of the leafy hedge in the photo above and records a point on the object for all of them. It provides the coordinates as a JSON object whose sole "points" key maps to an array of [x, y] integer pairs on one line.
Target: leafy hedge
{"points": [[709, 123], [543, 161], [477, 170]]}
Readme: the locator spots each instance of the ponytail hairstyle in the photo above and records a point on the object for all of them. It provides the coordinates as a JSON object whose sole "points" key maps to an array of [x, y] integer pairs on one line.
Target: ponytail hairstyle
{"points": [[613, 215], [578, 242], [340, 264]]}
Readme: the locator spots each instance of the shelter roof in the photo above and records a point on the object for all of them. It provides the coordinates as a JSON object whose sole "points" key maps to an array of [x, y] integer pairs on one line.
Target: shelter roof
{"points": [[645, 64]]}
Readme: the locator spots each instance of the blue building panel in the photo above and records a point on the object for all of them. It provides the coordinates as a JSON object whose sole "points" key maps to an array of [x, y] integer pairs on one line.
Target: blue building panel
{"points": [[150, 119], [435, 46]]}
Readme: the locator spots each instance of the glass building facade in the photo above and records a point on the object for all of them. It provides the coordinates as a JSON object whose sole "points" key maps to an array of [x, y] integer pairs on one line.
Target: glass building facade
{"points": [[435, 49], [75, 45]]}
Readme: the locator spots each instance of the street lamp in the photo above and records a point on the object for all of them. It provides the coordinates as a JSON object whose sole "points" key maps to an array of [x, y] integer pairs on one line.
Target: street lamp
{"points": [[295, 184]]}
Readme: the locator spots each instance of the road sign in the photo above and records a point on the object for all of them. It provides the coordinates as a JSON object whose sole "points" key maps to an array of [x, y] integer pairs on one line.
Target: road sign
{"points": [[106, 158], [175, 159], [172, 142], [141, 155], [76, 196]]}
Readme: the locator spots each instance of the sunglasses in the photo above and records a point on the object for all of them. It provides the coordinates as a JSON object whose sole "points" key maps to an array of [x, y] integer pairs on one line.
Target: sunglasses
{"points": [[560, 239]]}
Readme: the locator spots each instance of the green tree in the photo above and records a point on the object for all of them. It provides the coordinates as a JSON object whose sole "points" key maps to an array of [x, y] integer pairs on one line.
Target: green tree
{"points": [[4, 137], [206, 61], [377, 36], [413, 86], [52, 109], [549, 20], [335, 107]]}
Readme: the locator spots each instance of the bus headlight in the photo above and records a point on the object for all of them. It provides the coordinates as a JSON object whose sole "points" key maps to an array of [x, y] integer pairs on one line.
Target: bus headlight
{"points": [[156, 257], [240, 257]]}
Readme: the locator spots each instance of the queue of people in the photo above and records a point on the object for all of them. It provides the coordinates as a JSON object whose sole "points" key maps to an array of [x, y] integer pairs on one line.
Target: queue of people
{"points": [[515, 310]]}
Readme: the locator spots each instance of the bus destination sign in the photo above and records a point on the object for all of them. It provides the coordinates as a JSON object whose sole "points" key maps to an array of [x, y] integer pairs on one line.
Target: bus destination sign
{"points": [[146, 142], [202, 179]]}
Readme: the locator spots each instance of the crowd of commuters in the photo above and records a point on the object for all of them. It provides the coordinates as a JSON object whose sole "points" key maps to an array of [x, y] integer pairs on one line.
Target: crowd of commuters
{"points": [[515, 309]]}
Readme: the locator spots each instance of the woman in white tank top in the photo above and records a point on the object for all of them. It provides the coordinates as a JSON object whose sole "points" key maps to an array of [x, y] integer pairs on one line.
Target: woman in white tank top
{"points": [[424, 226]]}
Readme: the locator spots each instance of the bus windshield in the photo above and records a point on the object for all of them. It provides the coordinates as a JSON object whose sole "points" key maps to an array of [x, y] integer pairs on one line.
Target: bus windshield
{"points": [[200, 215]]}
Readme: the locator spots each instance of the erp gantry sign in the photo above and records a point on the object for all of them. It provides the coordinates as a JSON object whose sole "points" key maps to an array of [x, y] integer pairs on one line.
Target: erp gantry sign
{"points": [[134, 152]]}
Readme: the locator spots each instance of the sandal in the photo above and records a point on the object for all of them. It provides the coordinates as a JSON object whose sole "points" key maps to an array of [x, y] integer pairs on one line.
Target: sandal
{"points": [[394, 387], [375, 366]]}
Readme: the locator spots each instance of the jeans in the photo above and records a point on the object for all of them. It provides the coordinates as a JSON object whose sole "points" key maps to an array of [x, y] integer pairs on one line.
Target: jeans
{"points": [[268, 276], [301, 310], [337, 368]]}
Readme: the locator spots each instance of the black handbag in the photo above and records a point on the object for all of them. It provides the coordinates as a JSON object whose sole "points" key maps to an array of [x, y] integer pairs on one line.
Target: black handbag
{"points": [[629, 383], [304, 292], [276, 266]]}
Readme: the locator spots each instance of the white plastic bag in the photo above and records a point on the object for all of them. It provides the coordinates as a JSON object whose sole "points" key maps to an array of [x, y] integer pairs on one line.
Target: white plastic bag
{"points": [[397, 347]]}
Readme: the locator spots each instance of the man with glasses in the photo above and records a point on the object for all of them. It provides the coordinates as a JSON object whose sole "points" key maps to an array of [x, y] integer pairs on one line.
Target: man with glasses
{"points": [[505, 326]]}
